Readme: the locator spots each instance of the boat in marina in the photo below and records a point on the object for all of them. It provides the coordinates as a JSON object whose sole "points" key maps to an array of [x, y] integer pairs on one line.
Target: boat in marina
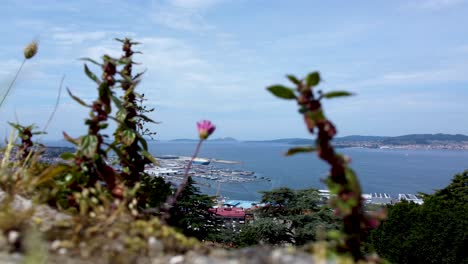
{"points": [[201, 161]]}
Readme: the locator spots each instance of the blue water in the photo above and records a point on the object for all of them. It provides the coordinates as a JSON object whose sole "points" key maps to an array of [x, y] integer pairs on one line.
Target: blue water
{"points": [[389, 171]]}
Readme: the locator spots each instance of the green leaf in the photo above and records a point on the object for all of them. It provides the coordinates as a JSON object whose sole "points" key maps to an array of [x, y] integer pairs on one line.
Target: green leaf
{"points": [[296, 150], [282, 92], [89, 145], [91, 75], [334, 94], [312, 79], [293, 79], [103, 125], [117, 121], [70, 139], [92, 61], [121, 115], [16, 126], [77, 99], [143, 142], [50, 173], [67, 156], [128, 137], [147, 155], [123, 61], [138, 75], [115, 149], [145, 118], [116, 101]]}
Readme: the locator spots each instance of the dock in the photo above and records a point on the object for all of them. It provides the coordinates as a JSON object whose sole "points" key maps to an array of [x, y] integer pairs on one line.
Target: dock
{"points": [[225, 161]]}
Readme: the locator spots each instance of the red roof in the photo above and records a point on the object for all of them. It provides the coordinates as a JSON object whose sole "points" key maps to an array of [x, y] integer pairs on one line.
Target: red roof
{"points": [[229, 212]]}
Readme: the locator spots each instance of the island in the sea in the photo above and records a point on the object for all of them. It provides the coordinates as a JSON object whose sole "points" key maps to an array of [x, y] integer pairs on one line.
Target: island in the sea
{"points": [[413, 141]]}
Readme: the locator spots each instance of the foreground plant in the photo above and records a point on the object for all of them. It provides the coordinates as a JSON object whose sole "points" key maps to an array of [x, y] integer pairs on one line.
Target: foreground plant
{"points": [[25, 133], [342, 182], [90, 160], [29, 52], [131, 147], [205, 129]]}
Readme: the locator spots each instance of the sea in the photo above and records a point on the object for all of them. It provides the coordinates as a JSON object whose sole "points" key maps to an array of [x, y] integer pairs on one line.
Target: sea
{"points": [[391, 171]]}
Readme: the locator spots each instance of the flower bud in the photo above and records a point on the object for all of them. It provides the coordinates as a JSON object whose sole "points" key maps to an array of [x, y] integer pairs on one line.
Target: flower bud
{"points": [[205, 129], [30, 50]]}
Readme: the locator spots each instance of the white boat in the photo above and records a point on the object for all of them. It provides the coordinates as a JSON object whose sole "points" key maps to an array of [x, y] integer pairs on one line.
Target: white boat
{"points": [[201, 161]]}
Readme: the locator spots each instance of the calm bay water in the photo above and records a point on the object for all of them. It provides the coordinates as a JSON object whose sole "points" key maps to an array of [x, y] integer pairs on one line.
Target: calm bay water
{"points": [[389, 171]]}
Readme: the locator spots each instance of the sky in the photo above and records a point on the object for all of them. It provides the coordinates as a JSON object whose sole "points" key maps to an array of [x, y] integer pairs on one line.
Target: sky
{"points": [[406, 61]]}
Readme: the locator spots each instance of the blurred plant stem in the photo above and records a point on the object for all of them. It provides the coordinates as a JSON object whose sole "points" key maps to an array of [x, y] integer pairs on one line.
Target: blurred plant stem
{"points": [[12, 83], [56, 104], [187, 169]]}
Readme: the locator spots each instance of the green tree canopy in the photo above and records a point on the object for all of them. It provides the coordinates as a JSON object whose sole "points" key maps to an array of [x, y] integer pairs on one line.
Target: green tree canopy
{"points": [[435, 232], [190, 213], [289, 216]]}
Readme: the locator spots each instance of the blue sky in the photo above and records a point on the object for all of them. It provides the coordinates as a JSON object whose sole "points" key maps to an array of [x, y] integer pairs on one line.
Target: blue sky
{"points": [[407, 62]]}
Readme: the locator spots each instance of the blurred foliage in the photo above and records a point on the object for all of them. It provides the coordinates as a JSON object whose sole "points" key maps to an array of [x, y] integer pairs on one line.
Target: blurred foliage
{"points": [[100, 208], [346, 195], [289, 216], [190, 213], [435, 232]]}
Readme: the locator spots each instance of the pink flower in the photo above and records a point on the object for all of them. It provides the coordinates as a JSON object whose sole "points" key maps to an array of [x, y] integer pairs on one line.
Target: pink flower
{"points": [[205, 129]]}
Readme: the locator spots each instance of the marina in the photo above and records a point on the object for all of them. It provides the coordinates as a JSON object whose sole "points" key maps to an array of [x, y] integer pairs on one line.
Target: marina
{"points": [[209, 173], [205, 171]]}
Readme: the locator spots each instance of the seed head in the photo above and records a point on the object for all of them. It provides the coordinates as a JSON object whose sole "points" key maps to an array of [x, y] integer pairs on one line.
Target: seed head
{"points": [[30, 50]]}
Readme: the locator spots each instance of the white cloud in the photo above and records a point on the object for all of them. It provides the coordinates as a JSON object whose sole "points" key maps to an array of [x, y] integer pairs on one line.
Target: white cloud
{"points": [[184, 15], [169, 54], [441, 75], [74, 38], [194, 4], [444, 75]]}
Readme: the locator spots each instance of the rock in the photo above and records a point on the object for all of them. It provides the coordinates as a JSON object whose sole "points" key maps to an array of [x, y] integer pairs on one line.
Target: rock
{"points": [[43, 215]]}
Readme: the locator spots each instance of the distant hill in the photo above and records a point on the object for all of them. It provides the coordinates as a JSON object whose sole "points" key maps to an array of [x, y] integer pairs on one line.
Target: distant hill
{"points": [[360, 138], [412, 139], [183, 140], [424, 139], [381, 140], [292, 141], [224, 139]]}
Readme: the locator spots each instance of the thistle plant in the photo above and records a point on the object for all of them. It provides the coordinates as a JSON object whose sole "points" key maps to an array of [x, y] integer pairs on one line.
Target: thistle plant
{"points": [[342, 182], [25, 133], [129, 144], [89, 161]]}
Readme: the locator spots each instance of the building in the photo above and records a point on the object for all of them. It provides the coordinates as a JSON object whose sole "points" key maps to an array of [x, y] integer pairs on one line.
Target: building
{"points": [[159, 172], [380, 198], [410, 198], [230, 215]]}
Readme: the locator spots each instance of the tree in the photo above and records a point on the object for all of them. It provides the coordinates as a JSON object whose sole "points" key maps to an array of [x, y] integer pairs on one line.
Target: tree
{"points": [[289, 216], [435, 232], [265, 230], [153, 191], [190, 213]]}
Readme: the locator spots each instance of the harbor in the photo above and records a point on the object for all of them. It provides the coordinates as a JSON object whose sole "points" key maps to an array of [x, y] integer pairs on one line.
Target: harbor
{"points": [[206, 172]]}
